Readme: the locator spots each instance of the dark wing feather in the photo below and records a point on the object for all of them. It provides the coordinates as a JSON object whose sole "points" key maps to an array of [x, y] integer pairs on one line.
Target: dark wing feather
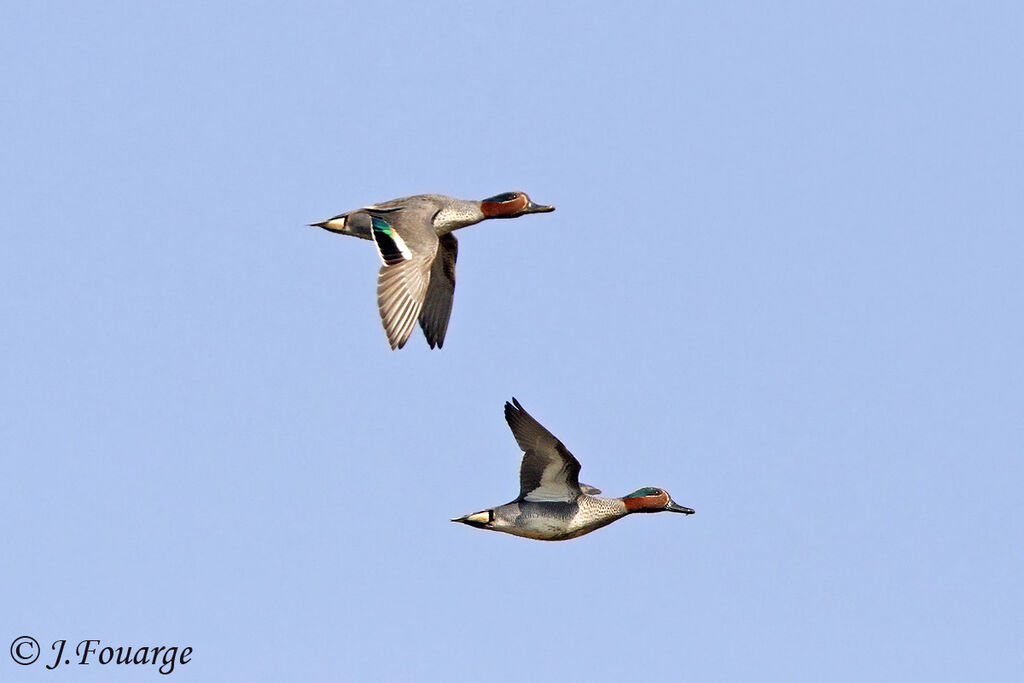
{"points": [[437, 306], [549, 472]]}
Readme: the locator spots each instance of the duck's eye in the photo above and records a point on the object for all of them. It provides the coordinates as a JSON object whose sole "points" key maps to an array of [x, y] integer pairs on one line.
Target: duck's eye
{"points": [[503, 197]]}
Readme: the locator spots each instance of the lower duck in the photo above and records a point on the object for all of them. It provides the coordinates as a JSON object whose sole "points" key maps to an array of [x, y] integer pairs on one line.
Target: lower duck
{"points": [[552, 504]]}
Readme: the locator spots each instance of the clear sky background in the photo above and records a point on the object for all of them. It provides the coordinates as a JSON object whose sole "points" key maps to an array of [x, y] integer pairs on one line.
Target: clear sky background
{"points": [[783, 281]]}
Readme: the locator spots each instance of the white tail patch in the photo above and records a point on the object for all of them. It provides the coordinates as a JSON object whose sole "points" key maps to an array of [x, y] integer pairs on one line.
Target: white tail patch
{"points": [[479, 517]]}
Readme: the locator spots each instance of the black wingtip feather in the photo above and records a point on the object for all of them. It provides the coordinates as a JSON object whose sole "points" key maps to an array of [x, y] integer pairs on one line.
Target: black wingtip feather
{"points": [[515, 415]]}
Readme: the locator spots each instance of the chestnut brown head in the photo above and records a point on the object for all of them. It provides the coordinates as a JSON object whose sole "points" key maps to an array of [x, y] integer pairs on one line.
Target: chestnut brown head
{"points": [[651, 499], [511, 205]]}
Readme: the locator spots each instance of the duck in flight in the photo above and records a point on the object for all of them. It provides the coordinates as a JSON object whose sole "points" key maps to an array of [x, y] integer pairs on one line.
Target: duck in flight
{"points": [[418, 250], [552, 504]]}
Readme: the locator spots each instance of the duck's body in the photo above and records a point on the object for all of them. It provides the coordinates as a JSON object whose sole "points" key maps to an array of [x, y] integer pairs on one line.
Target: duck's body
{"points": [[552, 504], [414, 240], [556, 521]]}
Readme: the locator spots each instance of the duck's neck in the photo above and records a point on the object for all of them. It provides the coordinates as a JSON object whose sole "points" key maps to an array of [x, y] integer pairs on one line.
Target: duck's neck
{"points": [[458, 214]]}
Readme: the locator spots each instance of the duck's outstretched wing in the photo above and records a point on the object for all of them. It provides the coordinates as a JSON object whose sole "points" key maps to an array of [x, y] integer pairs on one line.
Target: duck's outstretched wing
{"points": [[437, 306], [404, 278], [549, 472]]}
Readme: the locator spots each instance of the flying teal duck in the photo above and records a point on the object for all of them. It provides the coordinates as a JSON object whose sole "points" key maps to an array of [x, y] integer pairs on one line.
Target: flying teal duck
{"points": [[552, 504], [414, 240]]}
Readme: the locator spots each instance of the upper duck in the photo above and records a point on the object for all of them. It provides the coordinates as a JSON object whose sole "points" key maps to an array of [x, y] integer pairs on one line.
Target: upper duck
{"points": [[552, 504], [414, 240]]}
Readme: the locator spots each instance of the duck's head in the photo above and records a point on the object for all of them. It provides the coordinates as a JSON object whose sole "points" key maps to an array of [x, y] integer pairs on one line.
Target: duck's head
{"points": [[511, 205], [652, 499]]}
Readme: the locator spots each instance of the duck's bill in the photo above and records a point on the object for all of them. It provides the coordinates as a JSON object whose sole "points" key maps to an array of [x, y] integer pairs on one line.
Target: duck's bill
{"points": [[538, 208], [674, 507]]}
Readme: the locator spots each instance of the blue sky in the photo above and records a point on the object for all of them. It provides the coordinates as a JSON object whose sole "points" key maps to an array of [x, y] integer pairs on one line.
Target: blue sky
{"points": [[783, 282]]}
